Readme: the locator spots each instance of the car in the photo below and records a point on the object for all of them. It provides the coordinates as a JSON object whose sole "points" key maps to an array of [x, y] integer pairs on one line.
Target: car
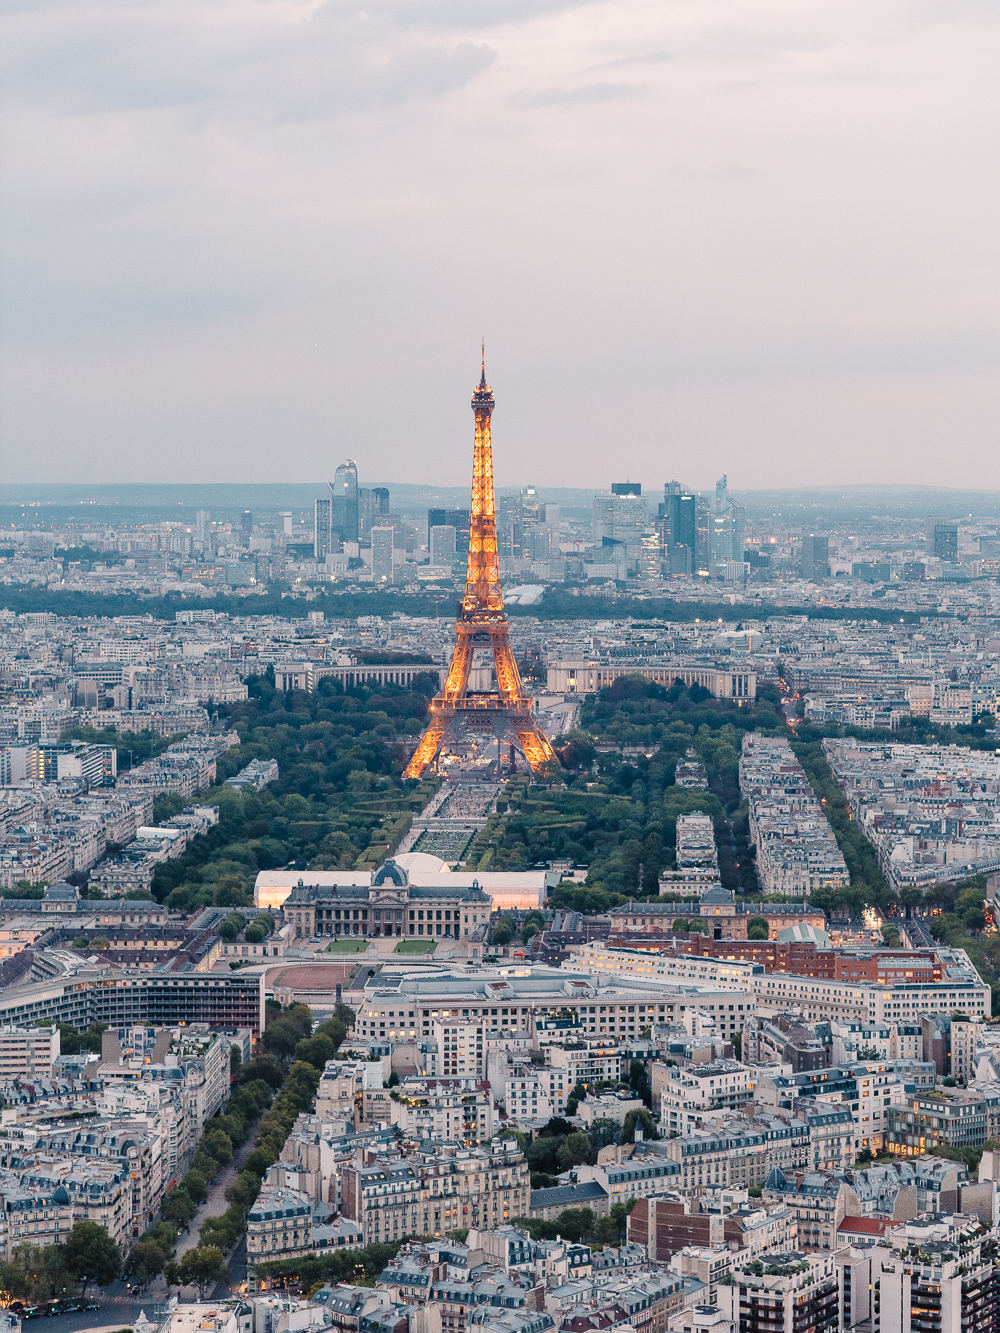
{"points": [[71, 1307], [92, 1306], [16, 1306], [31, 1312]]}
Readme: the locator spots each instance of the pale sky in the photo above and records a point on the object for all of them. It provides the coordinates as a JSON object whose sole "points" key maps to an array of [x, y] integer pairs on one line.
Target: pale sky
{"points": [[247, 238]]}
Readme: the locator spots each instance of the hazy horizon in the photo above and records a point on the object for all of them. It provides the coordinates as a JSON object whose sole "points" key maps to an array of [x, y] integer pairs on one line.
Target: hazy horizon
{"points": [[243, 242]]}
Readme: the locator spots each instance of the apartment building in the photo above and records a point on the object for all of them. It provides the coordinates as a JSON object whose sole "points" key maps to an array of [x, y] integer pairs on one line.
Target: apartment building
{"points": [[406, 1004], [682, 1095], [428, 1109], [795, 1291], [28, 1052], [868, 1090], [948, 1284], [818, 1201], [430, 1193]]}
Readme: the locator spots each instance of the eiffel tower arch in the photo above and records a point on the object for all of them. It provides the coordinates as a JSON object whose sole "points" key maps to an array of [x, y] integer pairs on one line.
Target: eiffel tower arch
{"points": [[458, 712]]}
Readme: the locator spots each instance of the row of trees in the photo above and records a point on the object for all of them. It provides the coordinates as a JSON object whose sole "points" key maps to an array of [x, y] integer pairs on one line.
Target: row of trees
{"points": [[264, 1094]]}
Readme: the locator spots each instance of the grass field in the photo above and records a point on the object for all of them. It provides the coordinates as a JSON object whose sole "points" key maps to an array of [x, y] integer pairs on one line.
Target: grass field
{"points": [[347, 946], [415, 946]]}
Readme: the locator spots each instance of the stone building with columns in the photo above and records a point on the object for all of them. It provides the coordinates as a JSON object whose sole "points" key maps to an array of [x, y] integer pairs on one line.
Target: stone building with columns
{"points": [[386, 903]]}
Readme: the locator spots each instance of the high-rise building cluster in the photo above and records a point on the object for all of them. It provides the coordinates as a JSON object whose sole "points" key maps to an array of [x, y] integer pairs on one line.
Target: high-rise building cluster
{"points": [[690, 534]]}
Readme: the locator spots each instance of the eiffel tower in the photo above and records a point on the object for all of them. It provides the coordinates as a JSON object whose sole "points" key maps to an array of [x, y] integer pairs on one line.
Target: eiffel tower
{"points": [[482, 623]]}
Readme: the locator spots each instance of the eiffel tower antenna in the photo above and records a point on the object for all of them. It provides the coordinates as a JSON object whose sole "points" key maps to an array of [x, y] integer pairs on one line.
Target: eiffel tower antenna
{"points": [[482, 623]]}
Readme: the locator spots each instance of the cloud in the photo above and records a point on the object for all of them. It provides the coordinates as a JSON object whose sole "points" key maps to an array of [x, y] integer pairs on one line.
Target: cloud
{"points": [[244, 236], [268, 62], [650, 58], [588, 92]]}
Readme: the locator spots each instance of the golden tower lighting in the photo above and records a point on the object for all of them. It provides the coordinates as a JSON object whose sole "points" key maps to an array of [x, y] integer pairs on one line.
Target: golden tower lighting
{"points": [[482, 623]]}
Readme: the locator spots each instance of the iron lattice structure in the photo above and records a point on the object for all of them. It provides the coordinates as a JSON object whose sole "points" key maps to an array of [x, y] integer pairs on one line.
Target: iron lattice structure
{"points": [[482, 623]]}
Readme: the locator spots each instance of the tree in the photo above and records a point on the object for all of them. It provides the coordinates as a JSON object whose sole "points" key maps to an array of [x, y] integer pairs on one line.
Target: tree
{"points": [[244, 1189], [145, 1261], [640, 1119], [533, 923], [574, 1150], [259, 929], [231, 927], [315, 1050], [575, 1223], [90, 1254], [14, 1283], [619, 1215], [266, 1067], [758, 928], [235, 1061], [178, 1208], [203, 1267], [194, 1187], [279, 1038], [603, 1132], [218, 1145], [503, 931]]}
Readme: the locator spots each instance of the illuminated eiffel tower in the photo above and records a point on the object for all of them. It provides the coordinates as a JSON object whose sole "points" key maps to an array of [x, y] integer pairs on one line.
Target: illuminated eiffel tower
{"points": [[482, 623]]}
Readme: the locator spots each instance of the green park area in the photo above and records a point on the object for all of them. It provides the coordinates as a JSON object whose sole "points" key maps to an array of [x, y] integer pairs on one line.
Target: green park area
{"points": [[347, 946], [415, 946]]}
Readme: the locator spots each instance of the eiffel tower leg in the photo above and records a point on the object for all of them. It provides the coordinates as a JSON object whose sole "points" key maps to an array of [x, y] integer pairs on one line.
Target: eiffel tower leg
{"points": [[430, 743], [505, 665], [536, 747], [461, 663]]}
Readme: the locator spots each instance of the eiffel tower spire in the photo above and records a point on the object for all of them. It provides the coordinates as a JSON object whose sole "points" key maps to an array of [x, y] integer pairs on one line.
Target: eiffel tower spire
{"points": [[482, 623]]}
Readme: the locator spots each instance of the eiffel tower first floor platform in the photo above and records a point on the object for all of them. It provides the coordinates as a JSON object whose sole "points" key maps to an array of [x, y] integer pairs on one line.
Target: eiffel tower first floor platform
{"points": [[480, 716]]}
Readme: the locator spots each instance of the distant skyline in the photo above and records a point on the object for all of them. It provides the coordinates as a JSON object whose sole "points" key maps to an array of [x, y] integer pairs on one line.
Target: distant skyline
{"points": [[243, 242]]}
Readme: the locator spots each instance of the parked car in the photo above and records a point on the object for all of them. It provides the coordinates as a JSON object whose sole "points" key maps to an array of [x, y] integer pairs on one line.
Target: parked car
{"points": [[92, 1306], [31, 1312], [71, 1307]]}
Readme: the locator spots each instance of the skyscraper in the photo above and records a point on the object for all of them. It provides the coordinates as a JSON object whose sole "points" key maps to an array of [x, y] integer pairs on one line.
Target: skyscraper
{"points": [[942, 538], [373, 507], [452, 518], [728, 524], [344, 506], [247, 526], [441, 541], [201, 522], [321, 529], [622, 517], [382, 554], [510, 526], [816, 556]]}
